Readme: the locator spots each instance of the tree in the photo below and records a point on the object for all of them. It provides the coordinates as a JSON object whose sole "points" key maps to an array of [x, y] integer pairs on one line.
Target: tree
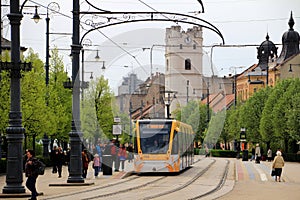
{"points": [[195, 114], [251, 112], [4, 96], [103, 105], [216, 125], [267, 118], [59, 100], [231, 128], [34, 112], [284, 111]]}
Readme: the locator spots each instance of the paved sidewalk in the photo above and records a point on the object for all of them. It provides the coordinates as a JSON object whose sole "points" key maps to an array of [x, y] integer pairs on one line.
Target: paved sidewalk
{"points": [[249, 189], [60, 187]]}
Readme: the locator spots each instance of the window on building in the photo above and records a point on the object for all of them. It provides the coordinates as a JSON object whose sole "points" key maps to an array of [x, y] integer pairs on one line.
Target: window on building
{"points": [[180, 46], [194, 46], [187, 64]]}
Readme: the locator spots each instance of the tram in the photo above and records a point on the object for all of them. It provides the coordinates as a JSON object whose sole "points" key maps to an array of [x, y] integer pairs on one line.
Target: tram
{"points": [[163, 145]]}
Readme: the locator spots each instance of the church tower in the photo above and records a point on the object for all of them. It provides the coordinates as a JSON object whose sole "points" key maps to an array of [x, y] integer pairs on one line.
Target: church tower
{"points": [[183, 55]]}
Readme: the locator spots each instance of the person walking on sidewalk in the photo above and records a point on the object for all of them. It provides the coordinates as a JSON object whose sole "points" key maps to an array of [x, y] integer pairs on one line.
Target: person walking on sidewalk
{"points": [[60, 158], [257, 153], [269, 155], [122, 155], [278, 164], [85, 163], [96, 165], [31, 173]]}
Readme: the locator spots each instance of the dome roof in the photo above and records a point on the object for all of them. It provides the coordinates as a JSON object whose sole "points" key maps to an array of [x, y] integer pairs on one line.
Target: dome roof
{"points": [[266, 51], [290, 41]]}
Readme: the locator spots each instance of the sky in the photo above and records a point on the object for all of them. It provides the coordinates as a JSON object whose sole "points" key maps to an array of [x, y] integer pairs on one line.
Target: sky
{"points": [[127, 48]]}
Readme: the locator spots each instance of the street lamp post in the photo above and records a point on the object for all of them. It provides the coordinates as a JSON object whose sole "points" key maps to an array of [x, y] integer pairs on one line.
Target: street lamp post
{"points": [[75, 174], [15, 131], [169, 100], [130, 121]]}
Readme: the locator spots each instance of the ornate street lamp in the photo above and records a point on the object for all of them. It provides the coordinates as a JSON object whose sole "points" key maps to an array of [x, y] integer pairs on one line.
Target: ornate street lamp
{"points": [[15, 131]]}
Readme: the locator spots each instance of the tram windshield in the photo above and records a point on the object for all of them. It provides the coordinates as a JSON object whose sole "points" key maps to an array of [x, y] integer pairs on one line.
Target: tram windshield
{"points": [[155, 137]]}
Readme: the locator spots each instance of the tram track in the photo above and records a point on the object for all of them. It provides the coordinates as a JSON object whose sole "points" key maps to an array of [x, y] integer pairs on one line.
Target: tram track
{"points": [[150, 187], [185, 188], [157, 187]]}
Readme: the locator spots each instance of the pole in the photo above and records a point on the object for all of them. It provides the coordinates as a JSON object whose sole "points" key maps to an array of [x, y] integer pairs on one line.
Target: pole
{"points": [[47, 52], [207, 103], [82, 74], [187, 91], [130, 121], [46, 139], [168, 107], [15, 131], [235, 96], [75, 175]]}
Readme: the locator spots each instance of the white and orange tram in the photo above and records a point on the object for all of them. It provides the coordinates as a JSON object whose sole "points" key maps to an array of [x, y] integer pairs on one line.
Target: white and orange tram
{"points": [[163, 145]]}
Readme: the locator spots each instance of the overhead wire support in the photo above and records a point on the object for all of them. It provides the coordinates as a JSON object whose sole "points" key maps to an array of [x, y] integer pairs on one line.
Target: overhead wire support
{"points": [[130, 17]]}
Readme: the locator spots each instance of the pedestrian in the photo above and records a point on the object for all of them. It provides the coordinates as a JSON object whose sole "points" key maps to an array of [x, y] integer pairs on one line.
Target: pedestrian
{"points": [[269, 155], [31, 173], [257, 153], [252, 154], [278, 164], [99, 151], [122, 154], [67, 157], [59, 160], [53, 158], [130, 152], [113, 152], [85, 163], [206, 151], [96, 165]]}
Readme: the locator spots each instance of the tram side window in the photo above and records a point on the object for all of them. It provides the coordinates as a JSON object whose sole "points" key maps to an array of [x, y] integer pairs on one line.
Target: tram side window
{"points": [[175, 143]]}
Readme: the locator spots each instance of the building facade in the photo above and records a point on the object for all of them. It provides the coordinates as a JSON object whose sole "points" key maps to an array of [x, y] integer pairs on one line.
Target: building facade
{"points": [[183, 56], [271, 68]]}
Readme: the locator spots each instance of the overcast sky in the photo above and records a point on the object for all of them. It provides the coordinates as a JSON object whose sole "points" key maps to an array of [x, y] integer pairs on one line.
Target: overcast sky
{"points": [[241, 22]]}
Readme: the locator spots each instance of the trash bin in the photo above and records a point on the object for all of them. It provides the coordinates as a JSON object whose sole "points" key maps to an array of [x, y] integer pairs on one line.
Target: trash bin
{"points": [[245, 155], [107, 164]]}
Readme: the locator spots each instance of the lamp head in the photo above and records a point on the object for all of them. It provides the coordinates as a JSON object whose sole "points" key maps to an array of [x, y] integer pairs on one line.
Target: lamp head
{"points": [[36, 17]]}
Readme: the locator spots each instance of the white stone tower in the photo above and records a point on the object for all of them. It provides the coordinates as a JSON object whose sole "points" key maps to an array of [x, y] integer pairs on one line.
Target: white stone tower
{"points": [[183, 55]]}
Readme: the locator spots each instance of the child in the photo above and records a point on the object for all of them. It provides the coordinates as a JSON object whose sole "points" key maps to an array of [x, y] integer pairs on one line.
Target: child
{"points": [[96, 164]]}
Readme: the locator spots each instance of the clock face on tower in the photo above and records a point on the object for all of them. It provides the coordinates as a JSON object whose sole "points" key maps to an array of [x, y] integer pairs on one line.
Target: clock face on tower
{"points": [[187, 40]]}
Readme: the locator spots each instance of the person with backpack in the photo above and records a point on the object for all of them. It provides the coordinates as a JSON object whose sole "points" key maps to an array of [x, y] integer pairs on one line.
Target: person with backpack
{"points": [[31, 172]]}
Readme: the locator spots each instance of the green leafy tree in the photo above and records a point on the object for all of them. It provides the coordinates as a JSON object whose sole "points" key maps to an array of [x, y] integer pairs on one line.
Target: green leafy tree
{"points": [[267, 117], [59, 100], [195, 114], [4, 96], [103, 105], [34, 112], [216, 125], [230, 127], [250, 114], [284, 111]]}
